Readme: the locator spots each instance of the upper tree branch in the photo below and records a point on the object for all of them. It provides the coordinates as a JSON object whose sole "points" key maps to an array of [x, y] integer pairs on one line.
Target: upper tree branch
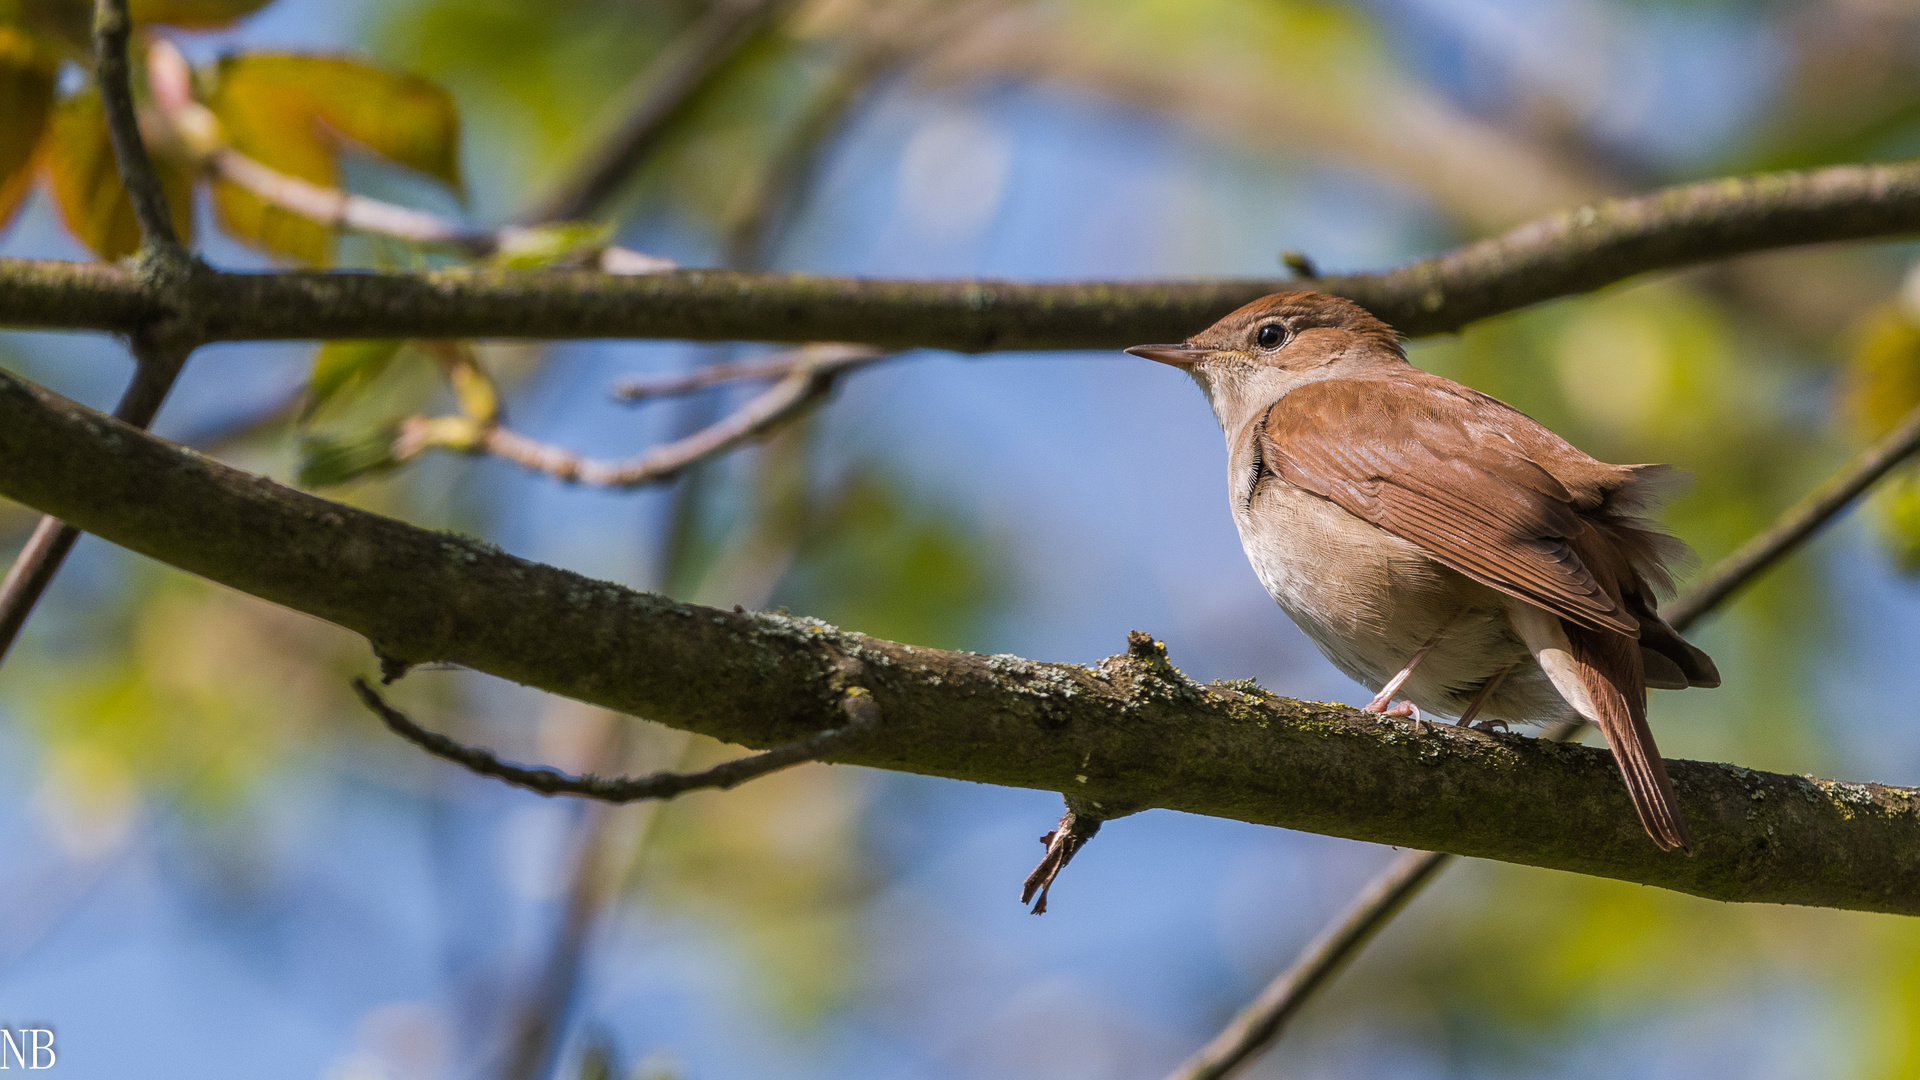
{"points": [[1556, 256], [1131, 733]]}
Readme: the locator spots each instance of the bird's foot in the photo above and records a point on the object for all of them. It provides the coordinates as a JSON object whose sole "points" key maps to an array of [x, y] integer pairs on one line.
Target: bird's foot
{"points": [[1488, 725], [1405, 708]]}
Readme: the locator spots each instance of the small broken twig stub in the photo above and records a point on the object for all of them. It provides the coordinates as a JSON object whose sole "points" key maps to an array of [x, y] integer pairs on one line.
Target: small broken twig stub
{"points": [[857, 705], [1077, 826]]}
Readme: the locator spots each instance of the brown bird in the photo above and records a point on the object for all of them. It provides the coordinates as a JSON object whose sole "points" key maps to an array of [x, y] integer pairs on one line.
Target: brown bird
{"points": [[1438, 544]]}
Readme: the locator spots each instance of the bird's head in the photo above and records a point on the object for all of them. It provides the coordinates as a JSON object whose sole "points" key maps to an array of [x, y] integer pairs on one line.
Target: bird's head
{"points": [[1254, 356]]}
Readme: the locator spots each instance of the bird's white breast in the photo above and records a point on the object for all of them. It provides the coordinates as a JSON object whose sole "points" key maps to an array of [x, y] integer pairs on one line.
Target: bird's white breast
{"points": [[1366, 597]]}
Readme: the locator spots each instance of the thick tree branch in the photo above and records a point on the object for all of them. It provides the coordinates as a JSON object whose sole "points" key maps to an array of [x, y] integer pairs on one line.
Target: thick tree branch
{"points": [[1128, 733], [1557, 256], [156, 368]]}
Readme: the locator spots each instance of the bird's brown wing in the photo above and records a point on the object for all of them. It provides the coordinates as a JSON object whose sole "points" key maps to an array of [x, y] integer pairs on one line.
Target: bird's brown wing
{"points": [[1455, 472]]}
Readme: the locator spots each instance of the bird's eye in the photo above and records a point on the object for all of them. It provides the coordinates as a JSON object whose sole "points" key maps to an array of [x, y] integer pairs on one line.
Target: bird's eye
{"points": [[1270, 336]]}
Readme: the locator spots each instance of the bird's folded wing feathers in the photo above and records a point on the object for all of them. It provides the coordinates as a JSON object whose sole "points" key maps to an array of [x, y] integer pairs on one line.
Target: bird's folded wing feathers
{"points": [[1428, 465]]}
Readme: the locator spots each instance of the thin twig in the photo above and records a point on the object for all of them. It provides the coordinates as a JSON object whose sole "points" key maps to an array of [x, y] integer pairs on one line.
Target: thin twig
{"points": [[803, 385], [111, 28], [651, 103], [637, 388], [858, 705], [1254, 1030], [1800, 521]]}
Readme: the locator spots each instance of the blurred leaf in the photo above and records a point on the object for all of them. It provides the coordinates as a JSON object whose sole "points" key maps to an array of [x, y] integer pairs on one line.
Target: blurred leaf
{"points": [[193, 14], [877, 562], [548, 245], [336, 459], [26, 96], [342, 368], [1881, 385], [292, 113], [65, 26], [1896, 508], [86, 181], [70, 22], [776, 867], [1882, 379], [200, 689]]}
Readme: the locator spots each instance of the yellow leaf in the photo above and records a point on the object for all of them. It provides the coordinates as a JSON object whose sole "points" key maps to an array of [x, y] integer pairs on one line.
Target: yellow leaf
{"points": [[1881, 385], [302, 105], [65, 26], [194, 14], [1882, 378], [292, 113], [86, 181], [26, 96]]}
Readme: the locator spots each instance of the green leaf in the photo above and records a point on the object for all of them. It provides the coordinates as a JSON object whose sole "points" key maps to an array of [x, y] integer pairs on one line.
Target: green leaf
{"points": [[336, 459], [550, 245], [341, 368], [294, 114], [1897, 507], [86, 181], [26, 97]]}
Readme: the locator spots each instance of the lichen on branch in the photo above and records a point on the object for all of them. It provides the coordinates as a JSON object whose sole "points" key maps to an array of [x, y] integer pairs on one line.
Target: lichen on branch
{"points": [[1129, 733]]}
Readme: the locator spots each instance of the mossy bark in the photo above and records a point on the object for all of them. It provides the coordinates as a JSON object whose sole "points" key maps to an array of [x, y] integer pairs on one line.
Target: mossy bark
{"points": [[1128, 734]]}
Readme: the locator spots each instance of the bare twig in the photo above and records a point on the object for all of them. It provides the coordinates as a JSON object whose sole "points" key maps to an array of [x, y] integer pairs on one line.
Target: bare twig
{"points": [[1077, 826], [857, 706], [638, 388], [806, 382], [650, 104], [1259, 1024], [1799, 522], [111, 28], [1256, 1027]]}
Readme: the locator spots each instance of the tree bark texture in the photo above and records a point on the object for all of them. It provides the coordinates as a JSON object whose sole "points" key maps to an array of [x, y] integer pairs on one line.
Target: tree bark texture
{"points": [[1566, 253], [1127, 734]]}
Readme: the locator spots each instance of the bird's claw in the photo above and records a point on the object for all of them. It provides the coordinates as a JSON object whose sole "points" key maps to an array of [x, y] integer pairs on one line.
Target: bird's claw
{"points": [[1405, 709]]}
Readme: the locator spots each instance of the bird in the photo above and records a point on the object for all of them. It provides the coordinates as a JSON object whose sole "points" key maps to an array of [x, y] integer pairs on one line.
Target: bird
{"points": [[1439, 545]]}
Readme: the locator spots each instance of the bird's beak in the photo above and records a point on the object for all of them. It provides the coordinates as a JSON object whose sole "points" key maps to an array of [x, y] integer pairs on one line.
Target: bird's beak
{"points": [[1180, 356]]}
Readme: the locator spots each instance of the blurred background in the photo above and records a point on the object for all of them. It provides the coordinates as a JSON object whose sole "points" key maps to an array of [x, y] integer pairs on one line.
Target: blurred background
{"points": [[216, 864]]}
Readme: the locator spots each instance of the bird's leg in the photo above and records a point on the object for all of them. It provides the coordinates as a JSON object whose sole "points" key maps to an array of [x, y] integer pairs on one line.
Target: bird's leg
{"points": [[1405, 708], [1480, 699]]}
